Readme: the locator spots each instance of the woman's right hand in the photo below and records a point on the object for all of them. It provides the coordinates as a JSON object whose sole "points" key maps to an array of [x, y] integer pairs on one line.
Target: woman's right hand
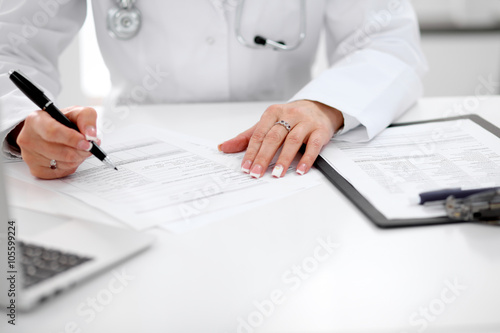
{"points": [[43, 139]]}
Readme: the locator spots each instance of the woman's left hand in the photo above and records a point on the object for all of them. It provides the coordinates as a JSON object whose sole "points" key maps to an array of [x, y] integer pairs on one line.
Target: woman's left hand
{"points": [[311, 123]]}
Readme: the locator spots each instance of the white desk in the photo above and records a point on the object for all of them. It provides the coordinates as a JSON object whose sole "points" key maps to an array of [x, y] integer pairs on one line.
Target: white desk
{"points": [[205, 280]]}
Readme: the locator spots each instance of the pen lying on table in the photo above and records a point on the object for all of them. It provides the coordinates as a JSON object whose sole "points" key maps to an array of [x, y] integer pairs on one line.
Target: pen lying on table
{"points": [[439, 196], [482, 204], [38, 97]]}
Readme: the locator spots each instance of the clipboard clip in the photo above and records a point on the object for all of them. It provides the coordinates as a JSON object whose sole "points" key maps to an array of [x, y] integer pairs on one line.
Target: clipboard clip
{"points": [[482, 206]]}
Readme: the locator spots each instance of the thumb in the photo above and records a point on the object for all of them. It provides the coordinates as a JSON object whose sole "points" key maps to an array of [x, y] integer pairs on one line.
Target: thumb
{"points": [[238, 143], [85, 118]]}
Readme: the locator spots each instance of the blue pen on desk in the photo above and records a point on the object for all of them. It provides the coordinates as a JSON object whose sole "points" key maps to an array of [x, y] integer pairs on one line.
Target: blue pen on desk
{"points": [[441, 195], [38, 97]]}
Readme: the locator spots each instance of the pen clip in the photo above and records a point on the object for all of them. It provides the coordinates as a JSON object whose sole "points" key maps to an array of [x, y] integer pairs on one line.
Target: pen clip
{"points": [[28, 88], [30, 84], [482, 206]]}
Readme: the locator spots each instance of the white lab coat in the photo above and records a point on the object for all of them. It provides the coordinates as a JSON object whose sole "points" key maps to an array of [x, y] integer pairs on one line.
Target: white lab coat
{"points": [[187, 51]]}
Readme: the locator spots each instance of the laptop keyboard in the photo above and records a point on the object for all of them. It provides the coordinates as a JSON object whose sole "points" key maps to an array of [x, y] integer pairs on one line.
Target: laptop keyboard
{"points": [[40, 263]]}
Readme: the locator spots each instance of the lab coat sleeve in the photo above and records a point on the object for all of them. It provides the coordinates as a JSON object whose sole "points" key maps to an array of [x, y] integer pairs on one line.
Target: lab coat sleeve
{"points": [[376, 65], [33, 34]]}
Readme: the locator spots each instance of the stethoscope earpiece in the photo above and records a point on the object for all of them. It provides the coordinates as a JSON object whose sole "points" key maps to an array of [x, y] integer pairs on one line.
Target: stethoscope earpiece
{"points": [[124, 22], [260, 42]]}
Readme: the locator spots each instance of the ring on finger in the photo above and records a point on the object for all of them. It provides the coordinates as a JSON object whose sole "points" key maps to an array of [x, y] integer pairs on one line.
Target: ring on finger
{"points": [[284, 124], [53, 164]]}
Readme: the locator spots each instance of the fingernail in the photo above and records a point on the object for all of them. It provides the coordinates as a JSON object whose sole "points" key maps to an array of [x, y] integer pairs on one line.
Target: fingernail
{"points": [[256, 171], [302, 169], [84, 145], [219, 147], [91, 133], [246, 166], [277, 171]]}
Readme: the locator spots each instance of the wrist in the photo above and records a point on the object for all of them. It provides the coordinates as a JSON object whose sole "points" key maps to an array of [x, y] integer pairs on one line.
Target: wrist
{"points": [[11, 138], [334, 115]]}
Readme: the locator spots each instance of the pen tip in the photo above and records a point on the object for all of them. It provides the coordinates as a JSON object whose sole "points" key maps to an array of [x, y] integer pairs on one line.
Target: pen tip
{"points": [[116, 169]]}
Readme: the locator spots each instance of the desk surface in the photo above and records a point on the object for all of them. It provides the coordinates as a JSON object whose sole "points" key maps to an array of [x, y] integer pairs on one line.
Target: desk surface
{"points": [[271, 269]]}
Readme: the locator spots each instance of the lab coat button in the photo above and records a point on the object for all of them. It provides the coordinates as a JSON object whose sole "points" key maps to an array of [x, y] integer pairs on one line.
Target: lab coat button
{"points": [[210, 40]]}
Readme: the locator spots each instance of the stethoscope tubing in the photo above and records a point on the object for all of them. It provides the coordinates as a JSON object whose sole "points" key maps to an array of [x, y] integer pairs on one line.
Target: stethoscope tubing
{"points": [[127, 7], [274, 44]]}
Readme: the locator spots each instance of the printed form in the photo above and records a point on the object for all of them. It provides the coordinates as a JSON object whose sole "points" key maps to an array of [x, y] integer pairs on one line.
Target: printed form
{"points": [[169, 180], [391, 170]]}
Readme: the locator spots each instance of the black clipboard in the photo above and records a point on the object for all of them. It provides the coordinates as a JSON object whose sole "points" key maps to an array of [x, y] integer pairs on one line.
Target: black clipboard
{"points": [[367, 208]]}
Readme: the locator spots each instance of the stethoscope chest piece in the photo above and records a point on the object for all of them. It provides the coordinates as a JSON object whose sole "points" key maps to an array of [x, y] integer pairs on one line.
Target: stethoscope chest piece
{"points": [[124, 22]]}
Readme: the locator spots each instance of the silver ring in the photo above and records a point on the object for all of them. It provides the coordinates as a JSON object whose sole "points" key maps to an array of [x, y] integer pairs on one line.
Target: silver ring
{"points": [[53, 164], [284, 124]]}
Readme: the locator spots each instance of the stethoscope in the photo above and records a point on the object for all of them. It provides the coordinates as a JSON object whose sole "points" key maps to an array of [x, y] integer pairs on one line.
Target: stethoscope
{"points": [[260, 41], [124, 23]]}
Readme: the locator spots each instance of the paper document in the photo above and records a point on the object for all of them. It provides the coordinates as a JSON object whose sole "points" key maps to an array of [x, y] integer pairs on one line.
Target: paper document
{"points": [[167, 179], [391, 170]]}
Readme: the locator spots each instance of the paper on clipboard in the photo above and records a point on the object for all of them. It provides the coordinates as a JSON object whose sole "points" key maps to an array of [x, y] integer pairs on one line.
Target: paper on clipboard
{"points": [[403, 161]]}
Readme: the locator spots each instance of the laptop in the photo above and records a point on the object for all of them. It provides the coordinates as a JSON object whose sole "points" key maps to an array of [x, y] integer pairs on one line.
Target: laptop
{"points": [[50, 254]]}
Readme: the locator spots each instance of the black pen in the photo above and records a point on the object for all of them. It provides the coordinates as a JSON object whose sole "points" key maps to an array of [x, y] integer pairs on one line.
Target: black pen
{"points": [[440, 196], [37, 96]]}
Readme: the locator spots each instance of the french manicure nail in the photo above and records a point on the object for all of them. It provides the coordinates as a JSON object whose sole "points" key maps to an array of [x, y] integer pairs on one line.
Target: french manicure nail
{"points": [[277, 171], [302, 169], [91, 133], [246, 166], [256, 171], [84, 145]]}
